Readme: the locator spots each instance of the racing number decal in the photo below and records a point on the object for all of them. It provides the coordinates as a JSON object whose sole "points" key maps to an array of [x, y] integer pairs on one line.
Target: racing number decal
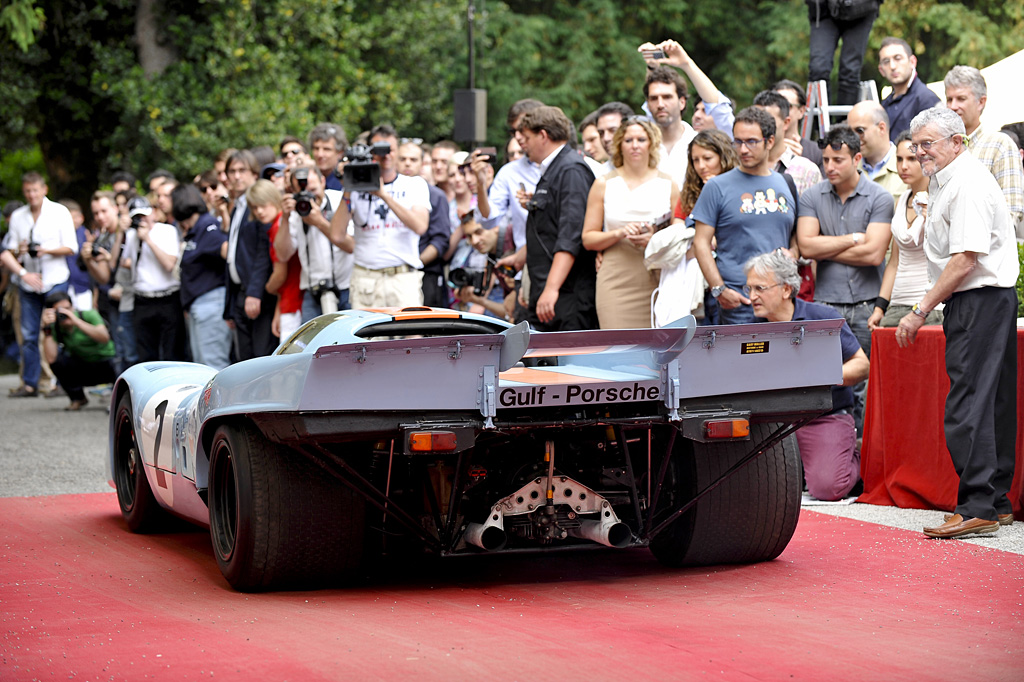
{"points": [[160, 412]]}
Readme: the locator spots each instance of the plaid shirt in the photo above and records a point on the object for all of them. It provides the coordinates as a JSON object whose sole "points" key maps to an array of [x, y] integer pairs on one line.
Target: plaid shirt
{"points": [[998, 153]]}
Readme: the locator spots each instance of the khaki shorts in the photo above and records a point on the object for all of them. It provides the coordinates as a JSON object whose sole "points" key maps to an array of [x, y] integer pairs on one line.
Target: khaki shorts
{"points": [[380, 289]]}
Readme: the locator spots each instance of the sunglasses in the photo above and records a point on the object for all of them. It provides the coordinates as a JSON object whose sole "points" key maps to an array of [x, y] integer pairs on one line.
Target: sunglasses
{"points": [[837, 145]]}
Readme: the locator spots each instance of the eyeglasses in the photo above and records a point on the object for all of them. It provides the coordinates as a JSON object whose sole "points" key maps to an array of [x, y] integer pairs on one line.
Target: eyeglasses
{"points": [[927, 146], [750, 144], [759, 288], [411, 140], [895, 59], [837, 145], [636, 119]]}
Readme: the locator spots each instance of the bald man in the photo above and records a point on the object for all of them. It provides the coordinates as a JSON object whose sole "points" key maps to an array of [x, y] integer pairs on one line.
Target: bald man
{"points": [[869, 120]]}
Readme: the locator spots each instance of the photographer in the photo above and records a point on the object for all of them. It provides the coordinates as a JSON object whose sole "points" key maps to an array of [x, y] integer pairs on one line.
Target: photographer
{"points": [[492, 288], [78, 347], [326, 269], [41, 235], [388, 224]]}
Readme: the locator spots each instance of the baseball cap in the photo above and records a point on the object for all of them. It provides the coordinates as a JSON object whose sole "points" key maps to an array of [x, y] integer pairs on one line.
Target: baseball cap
{"points": [[271, 169], [139, 206]]}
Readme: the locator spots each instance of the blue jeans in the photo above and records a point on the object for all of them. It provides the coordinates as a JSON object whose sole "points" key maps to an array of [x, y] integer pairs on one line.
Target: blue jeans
{"points": [[208, 334], [742, 314], [124, 340], [32, 305]]}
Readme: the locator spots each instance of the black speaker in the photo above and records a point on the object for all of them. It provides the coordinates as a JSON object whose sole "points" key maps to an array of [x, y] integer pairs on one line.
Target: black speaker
{"points": [[470, 115]]}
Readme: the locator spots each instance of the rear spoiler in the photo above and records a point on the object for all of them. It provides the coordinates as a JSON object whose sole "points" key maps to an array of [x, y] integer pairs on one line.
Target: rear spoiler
{"points": [[461, 372]]}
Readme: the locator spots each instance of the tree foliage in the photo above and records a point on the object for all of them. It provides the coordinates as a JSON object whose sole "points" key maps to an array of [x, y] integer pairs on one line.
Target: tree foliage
{"points": [[247, 72]]}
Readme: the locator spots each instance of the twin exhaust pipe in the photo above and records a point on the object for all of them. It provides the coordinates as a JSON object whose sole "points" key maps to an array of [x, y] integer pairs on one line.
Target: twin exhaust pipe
{"points": [[615, 534]]}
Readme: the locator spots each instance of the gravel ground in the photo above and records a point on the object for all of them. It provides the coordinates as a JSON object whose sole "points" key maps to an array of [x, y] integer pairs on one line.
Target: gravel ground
{"points": [[47, 451]]}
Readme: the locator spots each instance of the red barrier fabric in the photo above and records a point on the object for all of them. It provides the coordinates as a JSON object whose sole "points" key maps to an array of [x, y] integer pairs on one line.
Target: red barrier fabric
{"points": [[904, 459]]}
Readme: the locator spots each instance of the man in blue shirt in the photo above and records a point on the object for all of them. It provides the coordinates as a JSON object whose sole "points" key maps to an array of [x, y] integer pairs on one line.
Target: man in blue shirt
{"points": [[828, 444], [748, 210], [909, 95]]}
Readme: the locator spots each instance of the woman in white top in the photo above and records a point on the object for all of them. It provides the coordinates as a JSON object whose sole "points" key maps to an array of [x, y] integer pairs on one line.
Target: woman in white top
{"points": [[624, 209], [906, 274]]}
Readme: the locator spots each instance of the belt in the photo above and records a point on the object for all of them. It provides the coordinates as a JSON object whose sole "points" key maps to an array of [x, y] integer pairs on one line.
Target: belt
{"points": [[157, 294], [393, 270]]}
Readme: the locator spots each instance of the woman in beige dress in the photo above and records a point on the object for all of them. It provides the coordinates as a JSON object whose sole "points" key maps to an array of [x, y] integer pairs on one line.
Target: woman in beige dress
{"points": [[624, 209]]}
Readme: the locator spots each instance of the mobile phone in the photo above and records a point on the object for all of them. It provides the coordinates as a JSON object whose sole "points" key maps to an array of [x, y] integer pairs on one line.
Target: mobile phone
{"points": [[653, 54], [489, 152], [522, 188]]}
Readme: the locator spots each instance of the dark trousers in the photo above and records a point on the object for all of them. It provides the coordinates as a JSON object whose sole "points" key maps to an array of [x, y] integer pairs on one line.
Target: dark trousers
{"points": [[159, 328], [254, 338], [981, 409], [74, 374], [435, 291], [825, 35]]}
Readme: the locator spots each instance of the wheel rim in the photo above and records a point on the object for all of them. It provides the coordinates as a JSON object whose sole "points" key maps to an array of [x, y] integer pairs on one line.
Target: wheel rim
{"points": [[127, 467], [224, 503]]}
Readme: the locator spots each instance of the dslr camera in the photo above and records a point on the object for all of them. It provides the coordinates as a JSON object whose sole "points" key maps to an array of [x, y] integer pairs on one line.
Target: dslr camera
{"points": [[327, 293], [304, 198], [362, 173], [33, 250], [479, 279]]}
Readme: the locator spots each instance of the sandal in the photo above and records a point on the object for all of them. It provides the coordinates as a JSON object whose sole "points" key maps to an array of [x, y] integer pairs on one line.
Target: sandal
{"points": [[76, 405], [24, 392]]}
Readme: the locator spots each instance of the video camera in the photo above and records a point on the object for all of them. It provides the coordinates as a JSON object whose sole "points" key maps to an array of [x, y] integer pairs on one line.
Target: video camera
{"points": [[304, 199], [362, 173], [479, 279]]}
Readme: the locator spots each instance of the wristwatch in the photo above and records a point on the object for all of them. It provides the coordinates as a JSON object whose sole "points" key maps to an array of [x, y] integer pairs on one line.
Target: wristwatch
{"points": [[856, 238], [917, 311], [23, 272], [717, 291]]}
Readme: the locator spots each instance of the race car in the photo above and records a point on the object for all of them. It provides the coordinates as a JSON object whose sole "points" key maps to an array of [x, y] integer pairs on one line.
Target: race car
{"points": [[370, 434]]}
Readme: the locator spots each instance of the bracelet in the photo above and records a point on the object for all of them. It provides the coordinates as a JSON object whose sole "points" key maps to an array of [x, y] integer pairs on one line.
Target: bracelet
{"points": [[882, 303]]}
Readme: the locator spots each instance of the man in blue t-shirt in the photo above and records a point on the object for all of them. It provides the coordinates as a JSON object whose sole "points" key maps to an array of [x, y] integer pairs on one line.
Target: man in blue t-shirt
{"points": [[749, 210], [828, 444]]}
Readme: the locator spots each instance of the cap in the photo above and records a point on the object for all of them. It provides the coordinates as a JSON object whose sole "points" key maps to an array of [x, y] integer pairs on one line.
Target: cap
{"points": [[139, 206], [271, 170]]}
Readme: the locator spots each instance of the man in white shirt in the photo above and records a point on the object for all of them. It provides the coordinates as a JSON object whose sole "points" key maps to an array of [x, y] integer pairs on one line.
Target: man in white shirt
{"points": [[40, 237], [326, 269], [387, 270], [972, 258]]}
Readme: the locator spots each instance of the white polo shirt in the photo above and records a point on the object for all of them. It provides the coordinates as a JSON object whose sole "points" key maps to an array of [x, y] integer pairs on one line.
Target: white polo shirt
{"points": [[52, 230]]}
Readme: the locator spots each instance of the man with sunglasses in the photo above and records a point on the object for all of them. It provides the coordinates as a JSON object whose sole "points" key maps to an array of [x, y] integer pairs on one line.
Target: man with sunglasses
{"points": [[844, 224], [972, 260], [749, 210]]}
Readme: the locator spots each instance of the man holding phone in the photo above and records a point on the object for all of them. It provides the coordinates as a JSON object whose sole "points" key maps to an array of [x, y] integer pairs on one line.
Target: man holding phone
{"points": [[78, 347]]}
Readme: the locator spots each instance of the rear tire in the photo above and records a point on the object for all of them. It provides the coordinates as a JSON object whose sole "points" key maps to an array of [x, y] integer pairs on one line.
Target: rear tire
{"points": [[276, 519], [139, 507], [750, 517]]}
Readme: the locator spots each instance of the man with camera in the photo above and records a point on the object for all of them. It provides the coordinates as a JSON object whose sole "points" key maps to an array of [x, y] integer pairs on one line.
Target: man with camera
{"points": [[388, 223], [483, 287], [41, 235], [326, 269], [327, 144], [78, 347]]}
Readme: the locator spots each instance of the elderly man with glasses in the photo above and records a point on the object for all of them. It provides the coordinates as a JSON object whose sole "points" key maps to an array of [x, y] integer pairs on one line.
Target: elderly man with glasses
{"points": [[828, 444], [972, 259]]}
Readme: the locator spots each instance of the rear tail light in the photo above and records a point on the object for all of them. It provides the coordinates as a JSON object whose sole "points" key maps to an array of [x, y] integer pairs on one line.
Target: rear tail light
{"points": [[432, 441], [727, 428]]}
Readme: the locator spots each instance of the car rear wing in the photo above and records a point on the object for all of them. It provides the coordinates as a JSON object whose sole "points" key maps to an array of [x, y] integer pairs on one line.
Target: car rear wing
{"points": [[483, 371]]}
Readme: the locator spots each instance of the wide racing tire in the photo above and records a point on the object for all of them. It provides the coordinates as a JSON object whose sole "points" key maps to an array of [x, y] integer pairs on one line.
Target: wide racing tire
{"points": [[277, 520], [750, 517], [139, 507]]}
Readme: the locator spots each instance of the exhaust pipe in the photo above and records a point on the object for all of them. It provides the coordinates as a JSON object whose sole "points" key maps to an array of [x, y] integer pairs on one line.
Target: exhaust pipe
{"points": [[616, 534], [489, 538]]}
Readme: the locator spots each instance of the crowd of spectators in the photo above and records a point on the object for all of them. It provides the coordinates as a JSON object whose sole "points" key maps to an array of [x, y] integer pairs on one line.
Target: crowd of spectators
{"points": [[633, 218]]}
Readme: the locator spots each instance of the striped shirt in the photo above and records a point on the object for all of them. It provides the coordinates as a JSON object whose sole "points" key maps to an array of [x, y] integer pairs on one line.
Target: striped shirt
{"points": [[999, 155]]}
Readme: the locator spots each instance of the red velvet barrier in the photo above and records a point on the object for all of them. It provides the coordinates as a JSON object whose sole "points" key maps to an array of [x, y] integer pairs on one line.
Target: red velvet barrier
{"points": [[904, 460]]}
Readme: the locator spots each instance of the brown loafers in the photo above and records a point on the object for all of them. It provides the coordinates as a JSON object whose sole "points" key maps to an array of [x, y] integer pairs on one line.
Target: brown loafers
{"points": [[1004, 519], [956, 527]]}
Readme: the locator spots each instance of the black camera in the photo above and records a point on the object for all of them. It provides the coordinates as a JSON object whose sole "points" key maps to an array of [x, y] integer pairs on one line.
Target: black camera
{"points": [[303, 199], [33, 250], [362, 173], [480, 279]]}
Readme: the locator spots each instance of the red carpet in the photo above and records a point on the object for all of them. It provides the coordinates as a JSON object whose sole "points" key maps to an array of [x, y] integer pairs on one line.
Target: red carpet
{"points": [[81, 598]]}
